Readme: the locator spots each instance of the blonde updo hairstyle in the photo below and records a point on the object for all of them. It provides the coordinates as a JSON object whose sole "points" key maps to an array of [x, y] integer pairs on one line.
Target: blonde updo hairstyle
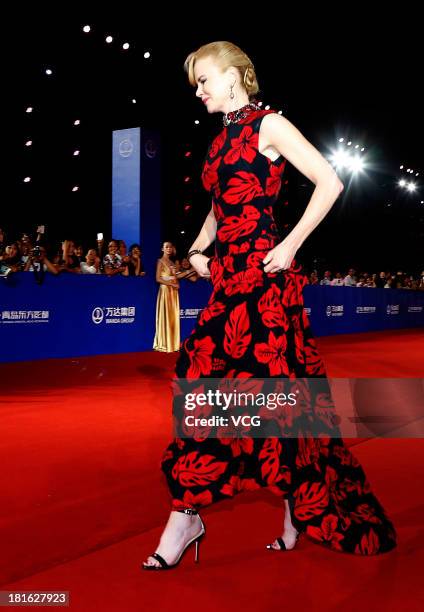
{"points": [[225, 54]]}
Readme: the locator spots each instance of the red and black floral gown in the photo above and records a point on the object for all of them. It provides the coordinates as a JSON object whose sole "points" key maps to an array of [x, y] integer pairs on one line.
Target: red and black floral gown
{"points": [[254, 324]]}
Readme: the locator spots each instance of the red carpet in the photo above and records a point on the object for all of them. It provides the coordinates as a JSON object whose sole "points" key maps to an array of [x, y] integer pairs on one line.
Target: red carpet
{"points": [[84, 502]]}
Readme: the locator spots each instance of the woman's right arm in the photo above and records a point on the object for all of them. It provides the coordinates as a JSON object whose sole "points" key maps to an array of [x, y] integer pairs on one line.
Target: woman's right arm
{"points": [[207, 233], [205, 238]]}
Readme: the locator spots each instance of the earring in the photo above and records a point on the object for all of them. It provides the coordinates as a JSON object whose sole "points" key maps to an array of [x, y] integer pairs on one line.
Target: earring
{"points": [[231, 93]]}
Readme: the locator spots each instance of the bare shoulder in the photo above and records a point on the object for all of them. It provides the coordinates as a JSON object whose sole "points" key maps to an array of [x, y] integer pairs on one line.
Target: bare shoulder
{"points": [[274, 127], [279, 133]]}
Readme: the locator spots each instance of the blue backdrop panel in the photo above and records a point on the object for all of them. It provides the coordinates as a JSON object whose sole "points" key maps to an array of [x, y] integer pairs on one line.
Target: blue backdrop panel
{"points": [[126, 185], [72, 315], [136, 192]]}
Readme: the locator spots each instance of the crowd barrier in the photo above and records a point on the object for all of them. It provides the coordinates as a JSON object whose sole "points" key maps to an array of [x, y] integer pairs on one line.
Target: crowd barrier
{"points": [[76, 315]]}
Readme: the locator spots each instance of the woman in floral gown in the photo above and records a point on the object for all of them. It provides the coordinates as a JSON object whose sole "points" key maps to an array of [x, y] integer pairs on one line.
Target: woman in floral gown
{"points": [[255, 325]]}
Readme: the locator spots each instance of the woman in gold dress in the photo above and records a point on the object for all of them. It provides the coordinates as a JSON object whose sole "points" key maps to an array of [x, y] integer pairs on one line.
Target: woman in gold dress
{"points": [[168, 273]]}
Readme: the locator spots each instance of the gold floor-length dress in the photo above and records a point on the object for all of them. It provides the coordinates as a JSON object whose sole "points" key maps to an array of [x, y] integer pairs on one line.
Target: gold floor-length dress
{"points": [[167, 337]]}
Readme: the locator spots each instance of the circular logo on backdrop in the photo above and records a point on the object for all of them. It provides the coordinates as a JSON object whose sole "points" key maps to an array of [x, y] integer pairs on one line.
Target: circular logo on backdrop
{"points": [[328, 311], [150, 149], [126, 147], [97, 315]]}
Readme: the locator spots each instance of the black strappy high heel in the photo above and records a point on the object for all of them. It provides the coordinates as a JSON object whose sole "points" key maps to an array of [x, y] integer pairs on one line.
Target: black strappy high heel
{"points": [[282, 545], [163, 564], [280, 540]]}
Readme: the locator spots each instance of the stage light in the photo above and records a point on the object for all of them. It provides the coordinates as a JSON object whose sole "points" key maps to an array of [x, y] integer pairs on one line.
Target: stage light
{"points": [[86, 29], [402, 183], [401, 167], [147, 55], [356, 164], [187, 207], [280, 112], [109, 39], [76, 188], [77, 122], [126, 46], [267, 107], [341, 139], [260, 103], [411, 187], [196, 121], [27, 179], [29, 109], [76, 153], [186, 179], [349, 143], [341, 159], [182, 232], [134, 101], [49, 71], [28, 143], [363, 149]]}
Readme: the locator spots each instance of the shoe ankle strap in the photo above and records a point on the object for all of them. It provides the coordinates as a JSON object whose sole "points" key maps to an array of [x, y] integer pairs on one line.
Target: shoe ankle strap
{"points": [[188, 510]]}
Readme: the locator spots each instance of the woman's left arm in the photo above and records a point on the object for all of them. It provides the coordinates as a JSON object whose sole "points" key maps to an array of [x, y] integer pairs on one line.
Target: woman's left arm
{"points": [[281, 134]]}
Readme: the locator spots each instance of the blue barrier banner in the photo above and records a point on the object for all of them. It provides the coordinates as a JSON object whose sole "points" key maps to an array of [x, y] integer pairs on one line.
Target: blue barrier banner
{"points": [[75, 315]]}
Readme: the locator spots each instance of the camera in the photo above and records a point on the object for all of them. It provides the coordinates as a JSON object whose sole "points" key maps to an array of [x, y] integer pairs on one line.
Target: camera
{"points": [[36, 251]]}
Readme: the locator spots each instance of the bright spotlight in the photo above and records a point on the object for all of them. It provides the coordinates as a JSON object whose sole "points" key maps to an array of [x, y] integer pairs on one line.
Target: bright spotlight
{"points": [[196, 121], [28, 143], [76, 188], [126, 46], [402, 183], [27, 179], [77, 122], [341, 159], [109, 39], [147, 55], [76, 153], [29, 109], [411, 187], [341, 139], [49, 71], [356, 164], [86, 29], [134, 101]]}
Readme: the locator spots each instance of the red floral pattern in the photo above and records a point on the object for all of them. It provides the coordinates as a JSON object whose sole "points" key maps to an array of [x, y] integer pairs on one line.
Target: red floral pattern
{"points": [[255, 326]]}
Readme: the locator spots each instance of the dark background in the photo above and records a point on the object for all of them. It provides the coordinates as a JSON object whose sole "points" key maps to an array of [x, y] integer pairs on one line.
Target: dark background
{"points": [[332, 76]]}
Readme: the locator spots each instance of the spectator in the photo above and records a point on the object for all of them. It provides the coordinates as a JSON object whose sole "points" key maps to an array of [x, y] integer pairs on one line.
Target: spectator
{"points": [[69, 262], [91, 265], [350, 279], [38, 262], [337, 280], [380, 280], [112, 262], [133, 267], [10, 261], [313, 278], [327, 278]]}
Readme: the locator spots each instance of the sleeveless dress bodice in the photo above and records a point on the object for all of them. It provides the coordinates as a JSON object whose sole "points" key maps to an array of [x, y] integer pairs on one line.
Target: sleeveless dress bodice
{"points": [[244, 185]]}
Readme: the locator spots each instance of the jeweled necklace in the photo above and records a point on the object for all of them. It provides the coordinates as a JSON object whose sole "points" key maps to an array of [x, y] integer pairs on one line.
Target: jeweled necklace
{"points": [[240, 113]]}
